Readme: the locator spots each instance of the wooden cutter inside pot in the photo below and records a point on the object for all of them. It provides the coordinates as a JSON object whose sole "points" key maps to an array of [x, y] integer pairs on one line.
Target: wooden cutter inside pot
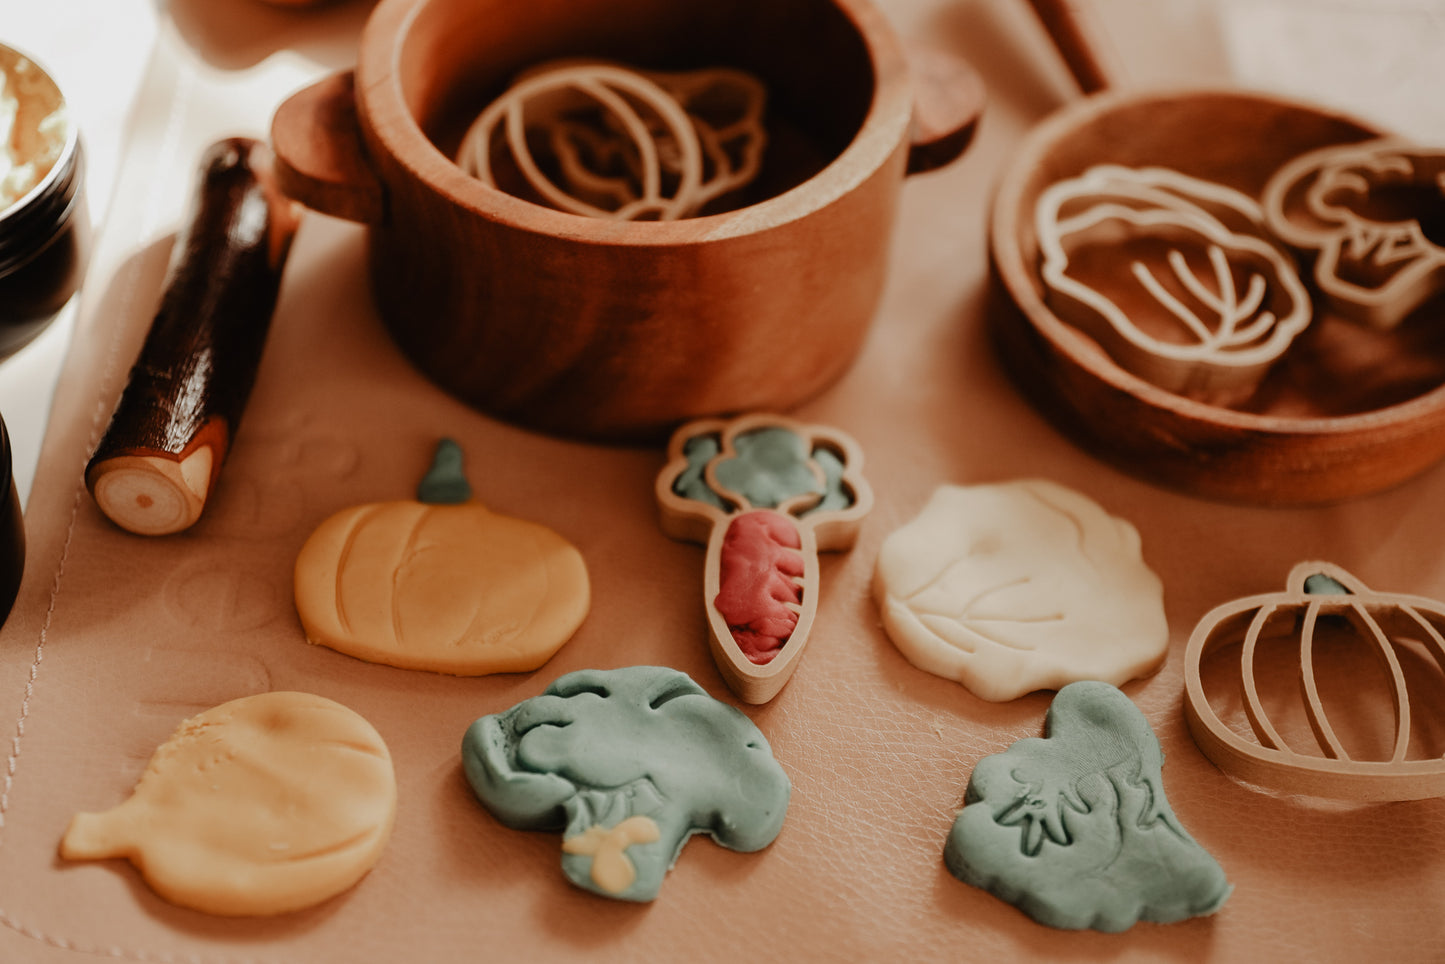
{"points": [[1347, 409]]}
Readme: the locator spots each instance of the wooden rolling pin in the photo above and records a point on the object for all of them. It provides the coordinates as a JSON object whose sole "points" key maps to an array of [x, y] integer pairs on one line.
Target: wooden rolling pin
{"points": [[161, 455]]}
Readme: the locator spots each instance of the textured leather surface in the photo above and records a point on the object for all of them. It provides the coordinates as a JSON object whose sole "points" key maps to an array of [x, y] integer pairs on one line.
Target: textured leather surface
{"points": [[116, 638]]}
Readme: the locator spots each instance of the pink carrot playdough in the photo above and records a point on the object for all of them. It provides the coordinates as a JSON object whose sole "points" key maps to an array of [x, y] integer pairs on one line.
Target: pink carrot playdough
{"points": [[760, 589]]}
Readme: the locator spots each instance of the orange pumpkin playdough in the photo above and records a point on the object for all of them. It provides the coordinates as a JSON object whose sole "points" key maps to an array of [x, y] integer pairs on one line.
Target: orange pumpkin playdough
{"points": [[449, 588]]}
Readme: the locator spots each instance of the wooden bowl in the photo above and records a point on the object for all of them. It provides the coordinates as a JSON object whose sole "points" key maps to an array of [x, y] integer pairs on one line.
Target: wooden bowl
{"points": [[619, 330], [1348, 410]]}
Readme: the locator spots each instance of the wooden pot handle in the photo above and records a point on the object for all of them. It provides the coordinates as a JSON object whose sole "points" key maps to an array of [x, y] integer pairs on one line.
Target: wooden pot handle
{"points": [[1081, 42], [321, 160], [948, 99]]}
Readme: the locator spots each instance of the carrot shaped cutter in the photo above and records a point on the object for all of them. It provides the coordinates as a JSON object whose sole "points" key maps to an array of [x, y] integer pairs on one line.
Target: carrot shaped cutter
{"points": [[765, 495], [159, 459]]}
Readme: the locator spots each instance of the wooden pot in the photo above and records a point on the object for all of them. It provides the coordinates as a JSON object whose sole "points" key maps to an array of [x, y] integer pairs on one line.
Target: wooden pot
{"points": [[619, 330], [1346, 411]]}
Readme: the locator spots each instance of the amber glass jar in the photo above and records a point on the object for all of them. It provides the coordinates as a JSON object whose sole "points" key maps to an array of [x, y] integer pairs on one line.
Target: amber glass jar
{"points": [[12, 530], [45, 232]]}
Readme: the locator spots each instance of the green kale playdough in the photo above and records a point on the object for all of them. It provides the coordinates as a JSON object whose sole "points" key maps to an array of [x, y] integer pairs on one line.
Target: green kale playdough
{"points": [[628, 764], [1074, 829], [772, 464]]}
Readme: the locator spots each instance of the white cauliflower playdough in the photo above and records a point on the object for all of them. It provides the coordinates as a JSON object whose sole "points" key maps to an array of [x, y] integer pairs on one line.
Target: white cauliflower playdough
{"points": [[1020, 586]]}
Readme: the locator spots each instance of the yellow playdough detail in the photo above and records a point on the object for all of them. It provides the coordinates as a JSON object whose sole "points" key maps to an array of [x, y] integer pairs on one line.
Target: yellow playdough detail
{"points": [[612, 869], [259, 806], [449, 588]]}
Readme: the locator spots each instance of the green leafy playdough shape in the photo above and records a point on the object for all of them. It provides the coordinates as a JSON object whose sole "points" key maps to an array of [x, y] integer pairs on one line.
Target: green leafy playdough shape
{"points": [[700, 450], [772, 465], [836, 496], [1074, 829], [602, 748]]}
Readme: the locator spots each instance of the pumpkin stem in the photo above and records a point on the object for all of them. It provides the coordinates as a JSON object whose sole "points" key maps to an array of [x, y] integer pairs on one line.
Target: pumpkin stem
{"points": [[1322, 585], [445, 483]]}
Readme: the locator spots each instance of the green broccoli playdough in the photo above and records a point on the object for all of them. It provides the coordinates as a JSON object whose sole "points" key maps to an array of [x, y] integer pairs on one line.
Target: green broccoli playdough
{"points": [[1074, 829], [628, 764]]}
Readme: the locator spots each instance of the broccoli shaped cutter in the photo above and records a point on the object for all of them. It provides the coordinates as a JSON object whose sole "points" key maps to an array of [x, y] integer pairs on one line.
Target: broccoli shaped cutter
{"points": [[765, 494]]}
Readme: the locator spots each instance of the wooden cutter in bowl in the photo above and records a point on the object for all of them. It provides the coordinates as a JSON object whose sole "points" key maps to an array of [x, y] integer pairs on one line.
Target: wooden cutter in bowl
{"points": [[1341, 408]]}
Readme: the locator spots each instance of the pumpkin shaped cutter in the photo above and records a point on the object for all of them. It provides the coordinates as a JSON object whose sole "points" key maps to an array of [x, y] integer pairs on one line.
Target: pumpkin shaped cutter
{"points": [[1335, 621]]}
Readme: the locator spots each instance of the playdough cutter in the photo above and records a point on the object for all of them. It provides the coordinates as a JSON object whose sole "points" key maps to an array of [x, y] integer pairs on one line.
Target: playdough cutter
{"points": [[765, 494], [1346, 409]]}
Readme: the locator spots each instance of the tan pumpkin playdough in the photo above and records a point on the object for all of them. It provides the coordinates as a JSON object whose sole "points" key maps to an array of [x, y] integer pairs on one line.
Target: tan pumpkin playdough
{"points": [[441, 584], [263, 805]]}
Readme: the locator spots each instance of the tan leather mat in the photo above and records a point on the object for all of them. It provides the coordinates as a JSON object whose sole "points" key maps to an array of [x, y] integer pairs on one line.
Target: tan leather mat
{"points": [[116, 638]]}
